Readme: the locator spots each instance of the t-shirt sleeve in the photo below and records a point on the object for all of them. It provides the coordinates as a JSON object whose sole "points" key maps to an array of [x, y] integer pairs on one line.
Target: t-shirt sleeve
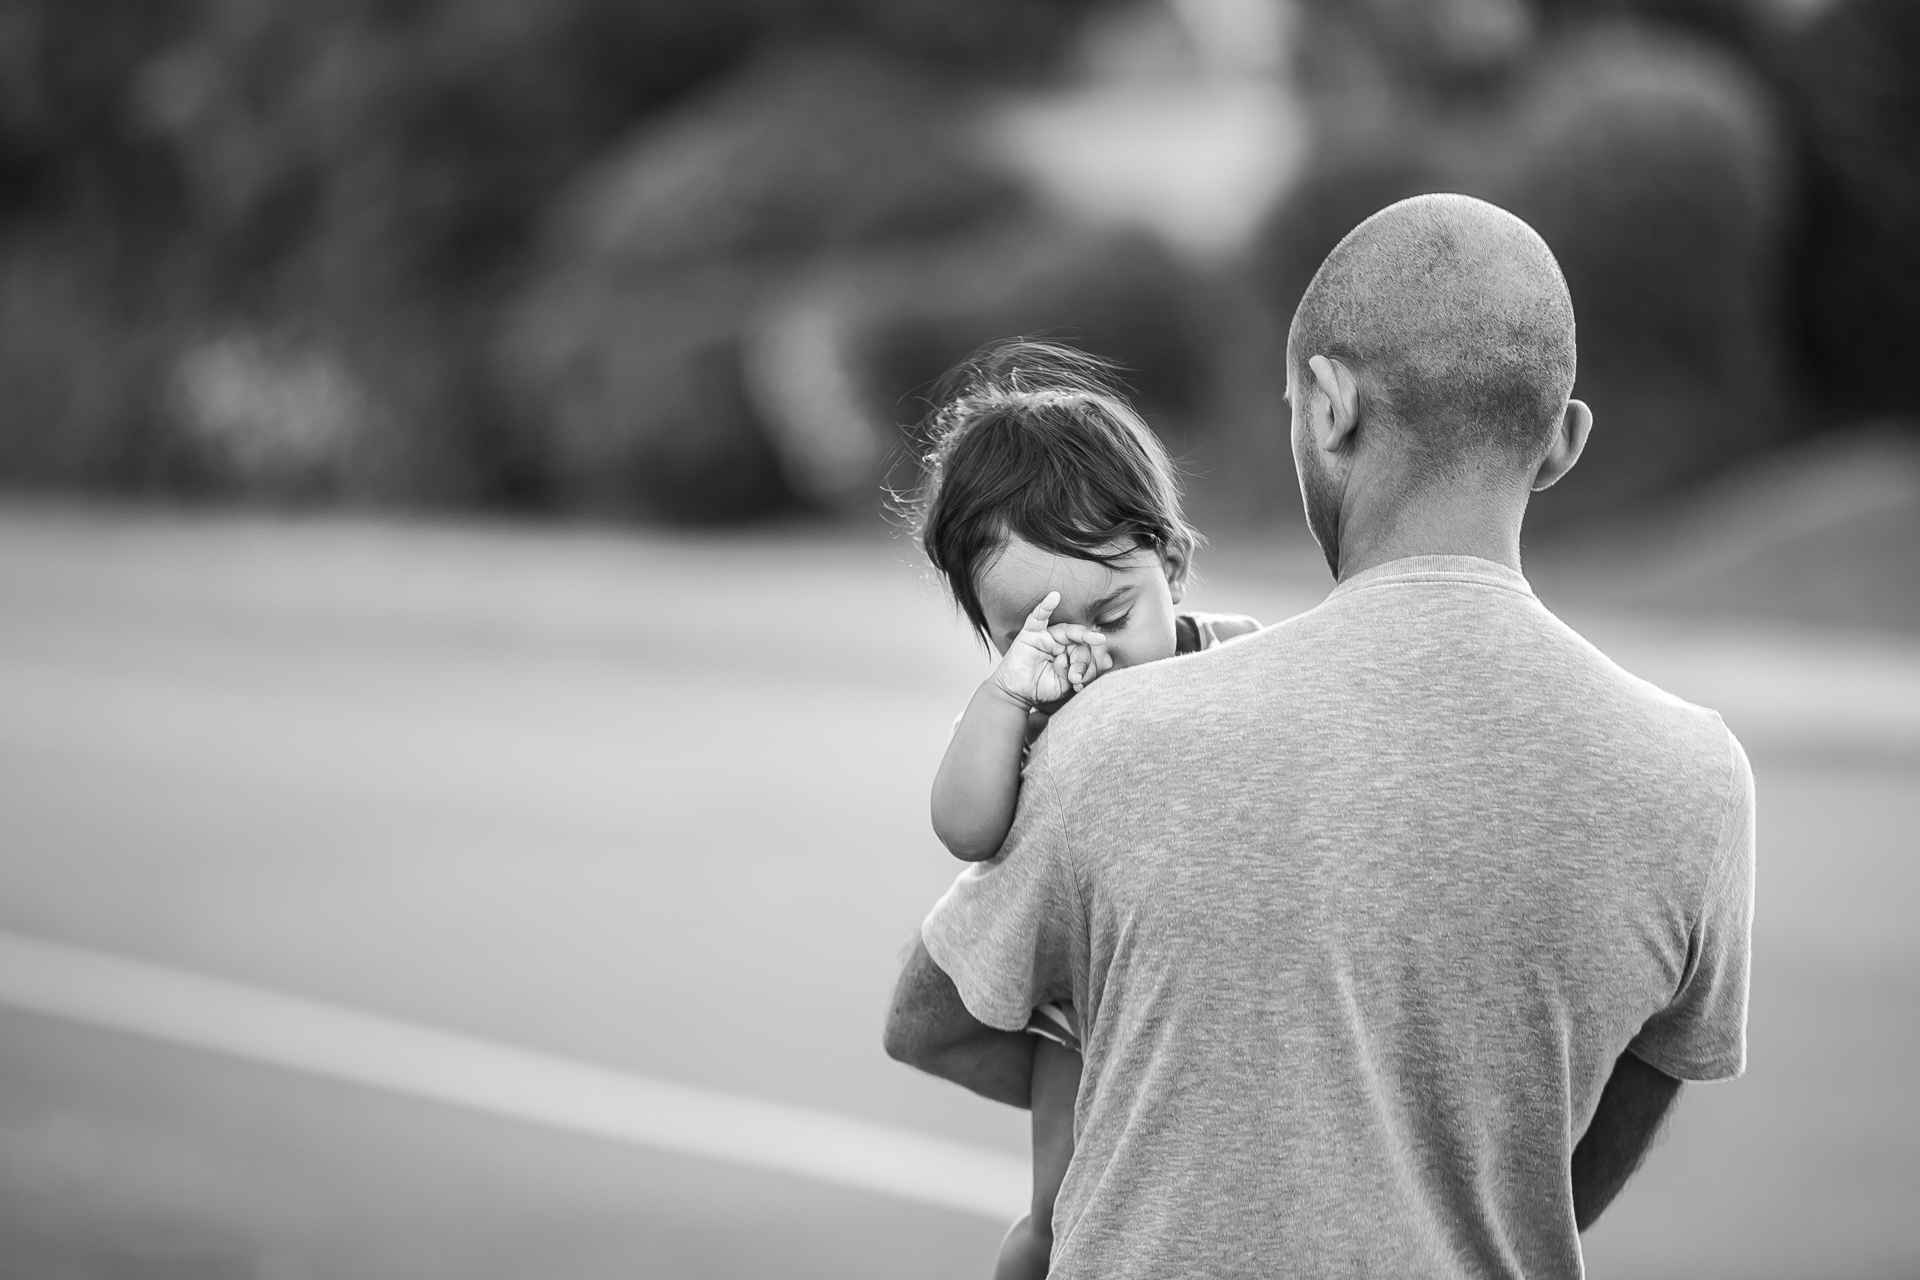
{"points": [[1702, 1034], [1003, 933]]}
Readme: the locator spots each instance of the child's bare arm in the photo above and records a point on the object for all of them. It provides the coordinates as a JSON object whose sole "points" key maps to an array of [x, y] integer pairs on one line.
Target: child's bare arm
{"points": [[978, 786]]}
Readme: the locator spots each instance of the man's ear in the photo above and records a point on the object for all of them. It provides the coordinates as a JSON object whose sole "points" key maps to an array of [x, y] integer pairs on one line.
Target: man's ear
{"points": [[1564, 449], [1335, 403], [1176, 558]]}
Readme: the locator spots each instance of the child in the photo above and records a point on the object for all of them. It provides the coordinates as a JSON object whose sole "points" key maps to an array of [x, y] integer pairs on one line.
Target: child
{"points": [[1052, 513]]}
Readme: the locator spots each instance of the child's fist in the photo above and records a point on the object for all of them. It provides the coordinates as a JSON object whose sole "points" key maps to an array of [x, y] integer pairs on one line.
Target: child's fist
{"points": [[1046, 663]]}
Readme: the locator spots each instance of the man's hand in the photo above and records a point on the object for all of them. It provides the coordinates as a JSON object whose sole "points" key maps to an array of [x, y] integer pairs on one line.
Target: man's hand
{"points": [[1047, 663], [1636, 1099], [929, 1027]]}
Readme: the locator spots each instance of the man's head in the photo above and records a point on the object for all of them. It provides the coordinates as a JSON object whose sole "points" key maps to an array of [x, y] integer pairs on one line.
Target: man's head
{"points": [[1433, 350]]}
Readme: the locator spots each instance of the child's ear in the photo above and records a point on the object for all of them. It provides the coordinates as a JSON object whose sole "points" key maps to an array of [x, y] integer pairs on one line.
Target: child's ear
{"points": [[1176, 558]]}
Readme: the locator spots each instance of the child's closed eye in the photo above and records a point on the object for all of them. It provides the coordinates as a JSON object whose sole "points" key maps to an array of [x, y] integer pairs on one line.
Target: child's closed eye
{"points": [[1114, 623]]}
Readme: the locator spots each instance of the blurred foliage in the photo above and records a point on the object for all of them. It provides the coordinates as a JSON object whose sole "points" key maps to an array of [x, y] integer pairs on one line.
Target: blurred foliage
{"points": [[626, 352], [1854, 79], [819, 148], [1652, 159], [1658, 171], [734, 305], [90, 205], [692, 259], [255, 189]]}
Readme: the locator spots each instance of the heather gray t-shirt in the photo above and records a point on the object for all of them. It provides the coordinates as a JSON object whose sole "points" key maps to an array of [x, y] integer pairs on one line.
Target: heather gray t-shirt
{"points": [[1358, 913]]}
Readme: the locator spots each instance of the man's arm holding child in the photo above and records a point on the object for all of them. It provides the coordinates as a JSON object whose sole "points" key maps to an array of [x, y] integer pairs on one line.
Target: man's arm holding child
{"points": [[978, 786], [1633, 1105], [929, 1027]]}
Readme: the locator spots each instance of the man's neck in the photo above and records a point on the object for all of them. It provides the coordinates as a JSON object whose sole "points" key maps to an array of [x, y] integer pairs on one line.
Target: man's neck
{"points": [[1462, 520]]}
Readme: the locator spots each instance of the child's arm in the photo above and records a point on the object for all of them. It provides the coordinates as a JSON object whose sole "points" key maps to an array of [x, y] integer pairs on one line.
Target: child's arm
{"points": [[978, 785]]}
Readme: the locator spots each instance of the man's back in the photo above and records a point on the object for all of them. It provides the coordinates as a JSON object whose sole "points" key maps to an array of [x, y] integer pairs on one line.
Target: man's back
{"points": [[1359, 912]]}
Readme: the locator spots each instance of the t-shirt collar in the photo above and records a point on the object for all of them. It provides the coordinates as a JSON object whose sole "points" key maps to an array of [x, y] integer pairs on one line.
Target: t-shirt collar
{"points": [[1436, 569]]}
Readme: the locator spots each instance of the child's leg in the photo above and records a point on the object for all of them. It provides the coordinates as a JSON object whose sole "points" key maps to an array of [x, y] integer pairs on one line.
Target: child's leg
{"points": [[1056, 1089], [1025, 1253]]}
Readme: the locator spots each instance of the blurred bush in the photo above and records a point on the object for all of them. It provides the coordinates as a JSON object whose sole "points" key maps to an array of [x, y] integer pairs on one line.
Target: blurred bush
{"points": [[349, 185], [1854, 79], [692, 259], [365, 177], [843, 358], [90, 208], [625, 357], [737, 302], [1651, 161], [1657, 169]]}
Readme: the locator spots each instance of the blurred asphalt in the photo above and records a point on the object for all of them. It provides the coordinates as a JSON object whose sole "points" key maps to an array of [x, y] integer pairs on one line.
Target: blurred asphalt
{"points": [[657, 803]]}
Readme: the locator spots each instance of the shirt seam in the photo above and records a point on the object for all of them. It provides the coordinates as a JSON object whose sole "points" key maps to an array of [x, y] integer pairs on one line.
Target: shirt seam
{"points": [[1722, 868], [1720, 1065]]}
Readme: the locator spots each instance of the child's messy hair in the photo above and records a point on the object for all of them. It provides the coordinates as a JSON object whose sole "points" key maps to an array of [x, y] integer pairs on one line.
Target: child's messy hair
{"points": [[1033, 440]]}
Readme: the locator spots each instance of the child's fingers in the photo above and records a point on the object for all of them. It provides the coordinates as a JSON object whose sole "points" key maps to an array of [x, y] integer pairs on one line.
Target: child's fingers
{"points": [[1094, 661], [1043, 641], [1085, 664], [1037, 620], [1087, 646], [1074, 633]]}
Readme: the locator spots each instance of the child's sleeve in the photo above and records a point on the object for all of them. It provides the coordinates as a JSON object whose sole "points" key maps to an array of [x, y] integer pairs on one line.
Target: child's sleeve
{"points": [[1198, 632], [1056, 1021], [1230, 626]]}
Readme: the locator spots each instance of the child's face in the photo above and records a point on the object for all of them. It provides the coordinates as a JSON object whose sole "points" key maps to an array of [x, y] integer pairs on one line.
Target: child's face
{"points": [[1131, 603]]}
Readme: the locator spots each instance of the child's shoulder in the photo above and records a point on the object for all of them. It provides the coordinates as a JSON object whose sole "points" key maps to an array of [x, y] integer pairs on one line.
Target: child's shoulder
{"points": [[1195, 632]]}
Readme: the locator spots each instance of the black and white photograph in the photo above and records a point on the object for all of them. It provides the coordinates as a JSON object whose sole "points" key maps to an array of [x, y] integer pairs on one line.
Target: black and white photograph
{"points": [[959, 639]]}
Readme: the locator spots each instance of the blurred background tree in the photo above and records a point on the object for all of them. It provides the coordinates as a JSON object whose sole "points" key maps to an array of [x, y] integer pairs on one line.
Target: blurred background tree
{"points": [[1650, 157], [693, 259]]}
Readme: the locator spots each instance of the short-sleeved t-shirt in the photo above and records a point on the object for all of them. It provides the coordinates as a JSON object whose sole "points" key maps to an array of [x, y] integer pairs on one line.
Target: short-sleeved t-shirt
{"points": [[1357, 914], [1192, 633]]}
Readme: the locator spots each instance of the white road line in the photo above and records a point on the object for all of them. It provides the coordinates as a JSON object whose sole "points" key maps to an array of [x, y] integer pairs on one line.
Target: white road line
{"points": [[329, 1040]]}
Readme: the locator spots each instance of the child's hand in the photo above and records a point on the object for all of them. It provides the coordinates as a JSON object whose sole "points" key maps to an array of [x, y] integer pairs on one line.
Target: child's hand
{"points": [[1046, 663]]}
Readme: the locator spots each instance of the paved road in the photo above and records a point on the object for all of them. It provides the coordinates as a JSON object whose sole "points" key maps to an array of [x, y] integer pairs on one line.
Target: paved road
{"points": [[657, 804]]}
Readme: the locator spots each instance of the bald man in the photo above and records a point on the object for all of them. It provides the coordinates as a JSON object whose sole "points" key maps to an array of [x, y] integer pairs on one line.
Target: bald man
{"points": [[1394, 927]]}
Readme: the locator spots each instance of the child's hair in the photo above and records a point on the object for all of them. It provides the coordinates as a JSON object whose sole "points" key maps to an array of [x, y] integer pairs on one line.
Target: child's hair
{"points": [[1033, 440]]}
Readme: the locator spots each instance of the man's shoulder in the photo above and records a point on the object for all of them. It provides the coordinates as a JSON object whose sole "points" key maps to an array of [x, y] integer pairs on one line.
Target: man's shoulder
{"points": [[1624, 715], [1629, 690], [1144, 703]]}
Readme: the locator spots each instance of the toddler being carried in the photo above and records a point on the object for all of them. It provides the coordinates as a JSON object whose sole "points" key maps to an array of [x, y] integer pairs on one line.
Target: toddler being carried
{"points": [[1053, 515]]}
